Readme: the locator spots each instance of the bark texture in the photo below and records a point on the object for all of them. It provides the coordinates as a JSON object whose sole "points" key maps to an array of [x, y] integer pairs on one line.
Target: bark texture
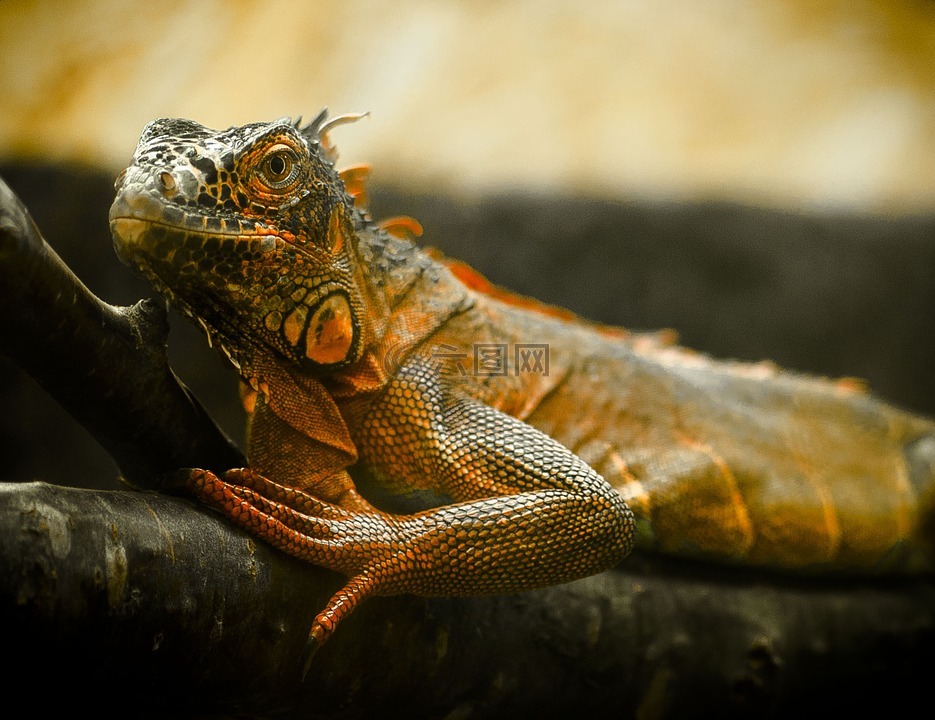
{"points": [[144, 598]]}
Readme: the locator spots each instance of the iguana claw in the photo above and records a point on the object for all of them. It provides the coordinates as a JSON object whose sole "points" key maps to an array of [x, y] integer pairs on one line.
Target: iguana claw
{"points": [[311, 647]]}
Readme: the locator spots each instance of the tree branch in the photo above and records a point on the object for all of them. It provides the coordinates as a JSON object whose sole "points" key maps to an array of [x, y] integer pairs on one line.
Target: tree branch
{"points": [[106, 365], [141, 595]]}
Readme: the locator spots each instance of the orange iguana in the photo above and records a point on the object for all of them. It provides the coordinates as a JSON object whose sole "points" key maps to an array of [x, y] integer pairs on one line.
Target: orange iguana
{"points": [[542, 447]]}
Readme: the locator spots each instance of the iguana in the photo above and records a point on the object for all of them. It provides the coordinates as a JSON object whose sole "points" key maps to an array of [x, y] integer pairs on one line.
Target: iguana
{"points": [[498, 444]]}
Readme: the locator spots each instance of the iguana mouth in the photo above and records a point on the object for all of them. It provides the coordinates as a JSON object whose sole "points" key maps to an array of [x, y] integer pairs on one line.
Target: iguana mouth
{"points": [[134, 235], [189, 226], [134, 213]]}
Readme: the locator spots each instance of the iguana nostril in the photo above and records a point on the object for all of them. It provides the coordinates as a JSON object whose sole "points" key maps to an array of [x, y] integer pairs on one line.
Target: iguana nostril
{"points": [[120, 178], [166, 182]]}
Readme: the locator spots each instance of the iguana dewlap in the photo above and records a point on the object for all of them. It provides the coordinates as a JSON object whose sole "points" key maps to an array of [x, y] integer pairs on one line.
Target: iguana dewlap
{"points": [[551, 445]]}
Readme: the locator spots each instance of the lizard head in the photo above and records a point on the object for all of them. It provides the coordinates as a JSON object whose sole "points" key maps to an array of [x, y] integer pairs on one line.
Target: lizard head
{"points": [[248, 231]]}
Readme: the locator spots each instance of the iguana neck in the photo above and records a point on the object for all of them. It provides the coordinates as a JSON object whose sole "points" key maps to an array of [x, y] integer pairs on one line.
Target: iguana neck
{"points": [[408, 296]]}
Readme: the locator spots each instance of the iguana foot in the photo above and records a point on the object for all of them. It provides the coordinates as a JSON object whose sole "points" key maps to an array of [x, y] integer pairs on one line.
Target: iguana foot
{"points": [[490, 545], [305, 527]]}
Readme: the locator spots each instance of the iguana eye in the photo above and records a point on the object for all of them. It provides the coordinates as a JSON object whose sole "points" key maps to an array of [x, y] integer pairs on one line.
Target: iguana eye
{"points": [[279, 169]]}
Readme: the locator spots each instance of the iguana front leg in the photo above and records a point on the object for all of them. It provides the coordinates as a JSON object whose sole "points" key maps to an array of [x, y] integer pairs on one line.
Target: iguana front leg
{"points": [[528, 512]]}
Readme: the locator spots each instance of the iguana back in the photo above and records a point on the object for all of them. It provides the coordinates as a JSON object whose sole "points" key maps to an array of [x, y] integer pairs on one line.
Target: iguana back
{"points": [[742, 462]]}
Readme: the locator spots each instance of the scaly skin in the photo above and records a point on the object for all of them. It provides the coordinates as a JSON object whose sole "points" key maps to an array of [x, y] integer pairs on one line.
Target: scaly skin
{"points": [[356, 348]]}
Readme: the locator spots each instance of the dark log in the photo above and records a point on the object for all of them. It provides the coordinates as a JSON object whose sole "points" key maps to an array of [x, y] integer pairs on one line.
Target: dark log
{"points": [[115, 597]]}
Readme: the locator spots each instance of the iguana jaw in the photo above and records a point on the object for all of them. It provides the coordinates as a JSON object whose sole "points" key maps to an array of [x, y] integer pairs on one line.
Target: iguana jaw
{"points": [[134, 243]]}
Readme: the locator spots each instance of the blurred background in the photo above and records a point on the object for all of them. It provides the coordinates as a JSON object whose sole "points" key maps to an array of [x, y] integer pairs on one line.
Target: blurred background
{"points": [[758, 176]]}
